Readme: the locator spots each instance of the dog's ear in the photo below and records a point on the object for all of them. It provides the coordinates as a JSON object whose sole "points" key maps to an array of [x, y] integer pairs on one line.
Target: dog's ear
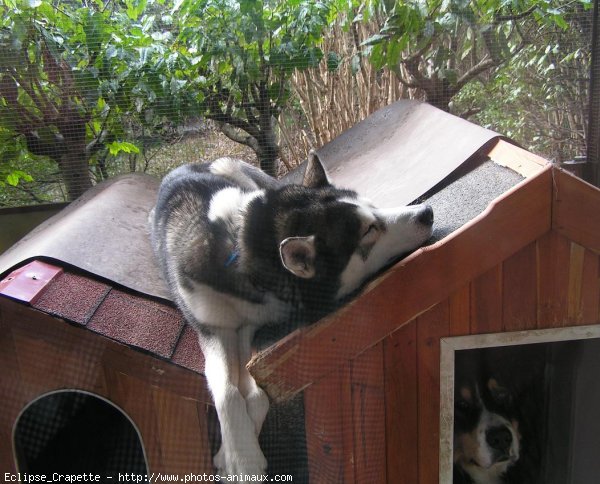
{"points": [[499, 393], [298, 256], [315, 175]]}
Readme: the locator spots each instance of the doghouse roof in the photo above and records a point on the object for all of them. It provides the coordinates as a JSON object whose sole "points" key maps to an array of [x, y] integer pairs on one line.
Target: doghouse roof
{"points": [[102, 273], [82, 300]]}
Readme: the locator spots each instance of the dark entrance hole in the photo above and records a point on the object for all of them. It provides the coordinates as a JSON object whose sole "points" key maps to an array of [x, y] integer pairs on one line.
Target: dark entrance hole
{"points": [[73, 432]]}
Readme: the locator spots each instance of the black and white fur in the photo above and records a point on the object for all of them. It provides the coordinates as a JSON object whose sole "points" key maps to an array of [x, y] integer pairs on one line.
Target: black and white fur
{"points": [[240, 250], [498, 415], [486, 438]]}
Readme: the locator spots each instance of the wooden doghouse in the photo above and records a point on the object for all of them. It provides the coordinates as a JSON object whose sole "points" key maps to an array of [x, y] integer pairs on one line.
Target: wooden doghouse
{"points": [[522, 254], [78, 334], [371, 373], [67, 326]]}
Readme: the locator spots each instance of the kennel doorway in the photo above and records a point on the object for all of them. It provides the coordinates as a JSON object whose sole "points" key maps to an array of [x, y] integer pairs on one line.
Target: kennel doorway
{"points": [[72, 432], [561, 368]]}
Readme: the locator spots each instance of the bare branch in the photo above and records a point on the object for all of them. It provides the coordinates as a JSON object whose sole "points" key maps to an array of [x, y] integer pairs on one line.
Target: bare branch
{"points": [[484, 64], [237, 135], [519, 16]]}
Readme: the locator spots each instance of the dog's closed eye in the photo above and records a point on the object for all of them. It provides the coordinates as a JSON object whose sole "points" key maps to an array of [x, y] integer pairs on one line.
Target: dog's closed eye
{"points": [[370, 229], [371, 232]]}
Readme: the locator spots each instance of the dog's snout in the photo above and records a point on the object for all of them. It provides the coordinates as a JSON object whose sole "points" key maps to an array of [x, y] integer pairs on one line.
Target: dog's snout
{"points": [[499, 438], [425, 216]]}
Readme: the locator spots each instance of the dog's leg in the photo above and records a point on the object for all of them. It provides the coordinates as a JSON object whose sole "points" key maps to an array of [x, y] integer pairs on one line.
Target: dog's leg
{"points": [[257, 401], [240, 452]]}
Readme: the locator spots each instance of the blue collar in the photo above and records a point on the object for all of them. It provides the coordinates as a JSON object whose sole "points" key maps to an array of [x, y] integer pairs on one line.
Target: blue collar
{"points": [[232, 258]]}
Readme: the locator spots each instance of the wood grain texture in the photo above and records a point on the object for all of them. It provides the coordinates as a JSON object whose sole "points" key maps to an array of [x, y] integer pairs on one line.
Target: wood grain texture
{"points": [[590, 297], [10, 385], [459, 305], [401, 404], [553, 256], [329, 430], [368, 416], [431, 327], [583, 297], [519, 290], [575, 285], [486, 302], [182, 433], [576, 210], [517, 159]]}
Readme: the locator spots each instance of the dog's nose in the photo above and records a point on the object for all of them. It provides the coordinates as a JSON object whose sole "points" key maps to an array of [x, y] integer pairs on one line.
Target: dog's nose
{"points": [[425, 216], [499, 438]]}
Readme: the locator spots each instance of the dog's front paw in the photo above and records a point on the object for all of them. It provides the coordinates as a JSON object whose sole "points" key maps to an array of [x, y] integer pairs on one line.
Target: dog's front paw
{"points": [[241, 462], [219, 461], [257, 405]]}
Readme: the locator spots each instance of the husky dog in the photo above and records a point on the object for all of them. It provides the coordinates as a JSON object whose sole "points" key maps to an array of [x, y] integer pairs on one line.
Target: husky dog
{"points": [[241, 250]]}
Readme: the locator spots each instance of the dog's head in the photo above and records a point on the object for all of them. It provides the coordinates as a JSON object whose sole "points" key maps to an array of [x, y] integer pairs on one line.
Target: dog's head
{"points": [[486, 427], [332, 239]]}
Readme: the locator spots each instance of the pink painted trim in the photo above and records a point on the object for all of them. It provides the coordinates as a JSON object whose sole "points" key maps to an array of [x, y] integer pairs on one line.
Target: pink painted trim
{"points": [[28, 282]]}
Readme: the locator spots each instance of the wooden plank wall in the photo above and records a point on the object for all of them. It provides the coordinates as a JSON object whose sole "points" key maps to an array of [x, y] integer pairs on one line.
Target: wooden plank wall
{"points": [[169, 405], [365, 424]]}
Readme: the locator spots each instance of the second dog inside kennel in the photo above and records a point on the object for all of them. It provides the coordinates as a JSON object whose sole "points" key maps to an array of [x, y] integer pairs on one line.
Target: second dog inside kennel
{"points": [[531, 408]]}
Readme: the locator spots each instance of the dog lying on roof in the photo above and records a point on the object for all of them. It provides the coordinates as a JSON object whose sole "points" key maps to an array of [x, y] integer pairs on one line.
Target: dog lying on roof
{"points": [[240, 250]]}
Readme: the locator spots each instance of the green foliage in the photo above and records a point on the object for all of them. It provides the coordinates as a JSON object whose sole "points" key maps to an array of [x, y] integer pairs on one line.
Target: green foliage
{"points": [[439, 46], [241, 55], [76, 76], [87, 84], [16, 175], [122, 146], [540, 97], [83, 82]]}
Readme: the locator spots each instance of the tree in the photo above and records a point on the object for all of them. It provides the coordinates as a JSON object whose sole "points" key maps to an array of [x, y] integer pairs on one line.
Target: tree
{"points": [[440, 46], [84, 80], [546, 86], [39, 98], [242, 55], [78, 79]]}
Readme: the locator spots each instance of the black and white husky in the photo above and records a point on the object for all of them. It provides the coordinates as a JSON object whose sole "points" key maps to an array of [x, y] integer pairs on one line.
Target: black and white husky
{"points": [[240, 250]]}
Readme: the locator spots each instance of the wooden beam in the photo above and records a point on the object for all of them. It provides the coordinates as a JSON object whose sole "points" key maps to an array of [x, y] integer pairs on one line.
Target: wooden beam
{"points": [[576, 210], [517, 159], [68, 350], [402, 405], [328, 414], [431, 327], [368, 407]]}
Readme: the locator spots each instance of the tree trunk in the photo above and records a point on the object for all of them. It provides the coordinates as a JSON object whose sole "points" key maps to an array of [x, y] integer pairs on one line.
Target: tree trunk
{"points": [[73, 162], [70, 156], [268, 149], [263, 141], [75, 174]]}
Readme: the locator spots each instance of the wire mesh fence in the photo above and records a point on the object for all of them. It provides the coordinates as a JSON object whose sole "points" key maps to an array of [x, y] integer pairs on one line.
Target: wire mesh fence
{"points": [[90, 89]]}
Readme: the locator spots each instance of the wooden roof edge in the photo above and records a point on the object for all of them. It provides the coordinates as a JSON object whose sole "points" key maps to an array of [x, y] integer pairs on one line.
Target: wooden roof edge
{"points": [[118, 358], [85, 301], [417, 283], [509, 155], [576, 209]]}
